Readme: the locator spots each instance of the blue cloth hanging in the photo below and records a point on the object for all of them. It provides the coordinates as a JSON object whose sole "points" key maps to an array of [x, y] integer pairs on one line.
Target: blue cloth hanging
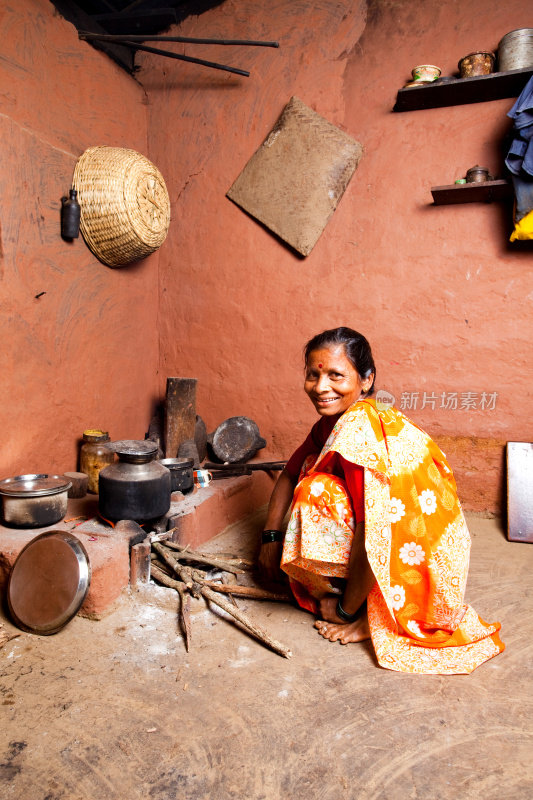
{"points": [[519, 159]]}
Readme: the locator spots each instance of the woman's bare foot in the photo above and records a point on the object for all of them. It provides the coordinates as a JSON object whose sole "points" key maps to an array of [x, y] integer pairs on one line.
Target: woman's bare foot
{"points": [[345, 632], [332, 627]]}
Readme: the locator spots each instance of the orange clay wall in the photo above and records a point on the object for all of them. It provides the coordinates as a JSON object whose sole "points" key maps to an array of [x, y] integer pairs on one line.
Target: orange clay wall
{"points": [[445, 301], [442, 296], [79, 340]]}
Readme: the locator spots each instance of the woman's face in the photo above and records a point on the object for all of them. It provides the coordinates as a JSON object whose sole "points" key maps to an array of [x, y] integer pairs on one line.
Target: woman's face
{"points": [[331, 381]]}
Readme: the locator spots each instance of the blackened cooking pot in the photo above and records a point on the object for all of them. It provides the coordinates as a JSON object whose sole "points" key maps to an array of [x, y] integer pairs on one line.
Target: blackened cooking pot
{"points": [[181, 473], [135, 487], [34, 501]]}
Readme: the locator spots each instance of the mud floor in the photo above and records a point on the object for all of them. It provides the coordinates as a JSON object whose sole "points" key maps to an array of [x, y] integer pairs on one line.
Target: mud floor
{"points": [[118, 709]]}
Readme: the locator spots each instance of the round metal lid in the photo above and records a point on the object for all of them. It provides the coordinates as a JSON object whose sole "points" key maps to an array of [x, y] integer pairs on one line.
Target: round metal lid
{"points": [[132, 447], [134, 451], [34, 485], [177, 463], [49, 582]]}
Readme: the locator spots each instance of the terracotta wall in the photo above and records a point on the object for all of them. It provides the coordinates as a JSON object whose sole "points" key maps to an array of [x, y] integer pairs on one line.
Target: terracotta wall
{"points": [[442, 296], [79, 340]]}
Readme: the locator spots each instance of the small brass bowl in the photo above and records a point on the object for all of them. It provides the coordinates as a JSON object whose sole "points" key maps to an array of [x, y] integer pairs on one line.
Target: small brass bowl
{"points": [[426, 72]]}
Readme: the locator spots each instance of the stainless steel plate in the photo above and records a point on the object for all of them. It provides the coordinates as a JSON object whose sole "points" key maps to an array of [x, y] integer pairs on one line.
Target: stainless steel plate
{"points": [[49, 582]]}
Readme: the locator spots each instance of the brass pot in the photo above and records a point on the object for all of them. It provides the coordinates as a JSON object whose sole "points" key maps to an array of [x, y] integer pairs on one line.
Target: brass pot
{"points": [[478, 63], [478, 174]]}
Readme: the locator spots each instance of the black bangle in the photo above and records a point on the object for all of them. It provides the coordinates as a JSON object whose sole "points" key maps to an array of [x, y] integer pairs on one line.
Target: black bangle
{"points": [[344, 614], [271, 536]]}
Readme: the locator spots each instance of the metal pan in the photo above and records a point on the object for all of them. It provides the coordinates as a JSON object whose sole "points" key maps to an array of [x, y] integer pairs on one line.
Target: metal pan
{"points": [[48, 583]]}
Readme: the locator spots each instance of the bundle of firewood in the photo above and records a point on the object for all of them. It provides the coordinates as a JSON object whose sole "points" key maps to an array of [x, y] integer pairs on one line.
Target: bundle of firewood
{"points": [[187, 572]]}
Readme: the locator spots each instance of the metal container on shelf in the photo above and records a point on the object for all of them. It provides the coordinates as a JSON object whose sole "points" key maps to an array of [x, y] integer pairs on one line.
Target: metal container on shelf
{"points": [[136, 487], [515, 50], [477, 174], [474, 64]]}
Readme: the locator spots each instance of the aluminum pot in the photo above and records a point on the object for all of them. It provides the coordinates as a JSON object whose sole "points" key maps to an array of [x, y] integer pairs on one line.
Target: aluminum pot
{"points": [[34, 501], [515, 50]]}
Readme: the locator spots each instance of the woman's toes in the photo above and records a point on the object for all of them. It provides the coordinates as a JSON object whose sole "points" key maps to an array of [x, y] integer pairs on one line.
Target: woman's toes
{"points": [[332, 632], [344, 634]]}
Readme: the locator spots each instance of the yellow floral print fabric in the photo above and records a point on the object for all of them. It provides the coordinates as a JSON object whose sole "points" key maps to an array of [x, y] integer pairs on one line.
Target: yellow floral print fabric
{"points": [[416, 540]]}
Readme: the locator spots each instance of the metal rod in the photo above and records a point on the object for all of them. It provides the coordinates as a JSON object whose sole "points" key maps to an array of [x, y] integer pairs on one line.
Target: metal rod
{"points": [[167, 53], [182, 39], [131, 5]]}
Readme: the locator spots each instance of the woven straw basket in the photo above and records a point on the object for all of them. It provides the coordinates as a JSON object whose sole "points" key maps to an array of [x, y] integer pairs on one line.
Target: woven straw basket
{"points": [[125, 208]]}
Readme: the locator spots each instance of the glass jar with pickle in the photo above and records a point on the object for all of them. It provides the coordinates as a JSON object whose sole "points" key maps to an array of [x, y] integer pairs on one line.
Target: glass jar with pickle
{"points": [[94, 456]]}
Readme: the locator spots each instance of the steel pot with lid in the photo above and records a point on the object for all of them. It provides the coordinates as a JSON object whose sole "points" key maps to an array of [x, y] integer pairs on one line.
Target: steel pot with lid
{"points": [[34, 501], [136, 486]]}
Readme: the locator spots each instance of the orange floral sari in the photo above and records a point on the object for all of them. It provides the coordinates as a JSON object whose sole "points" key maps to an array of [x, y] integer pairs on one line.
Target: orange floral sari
{"points": [[416, 539]]}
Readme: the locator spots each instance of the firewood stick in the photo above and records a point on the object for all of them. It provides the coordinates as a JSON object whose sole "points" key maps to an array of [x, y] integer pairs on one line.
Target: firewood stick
{"points": [[232, 587], [226, 579], [192, 555], [156, 562], [244, 564], [194, 581], [162, 536], [241, 617], [236, 561], [183, 572], [165, 579], [184, 615], [252, 592], [187, 574]]}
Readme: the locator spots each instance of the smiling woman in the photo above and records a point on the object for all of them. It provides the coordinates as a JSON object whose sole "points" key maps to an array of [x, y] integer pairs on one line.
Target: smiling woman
{"points": [[331, 382], [375, 522]]}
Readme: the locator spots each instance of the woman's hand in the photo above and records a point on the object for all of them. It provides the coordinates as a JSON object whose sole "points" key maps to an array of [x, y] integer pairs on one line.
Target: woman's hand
{"points": [[269, 561]]}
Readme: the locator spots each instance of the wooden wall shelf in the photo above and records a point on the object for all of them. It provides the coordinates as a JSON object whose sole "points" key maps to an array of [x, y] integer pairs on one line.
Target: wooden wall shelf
{"points": [[457, 91], [485, 192]]}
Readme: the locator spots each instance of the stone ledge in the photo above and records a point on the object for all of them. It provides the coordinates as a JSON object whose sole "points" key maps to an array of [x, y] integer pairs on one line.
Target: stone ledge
{"points": [[204, 514]]}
